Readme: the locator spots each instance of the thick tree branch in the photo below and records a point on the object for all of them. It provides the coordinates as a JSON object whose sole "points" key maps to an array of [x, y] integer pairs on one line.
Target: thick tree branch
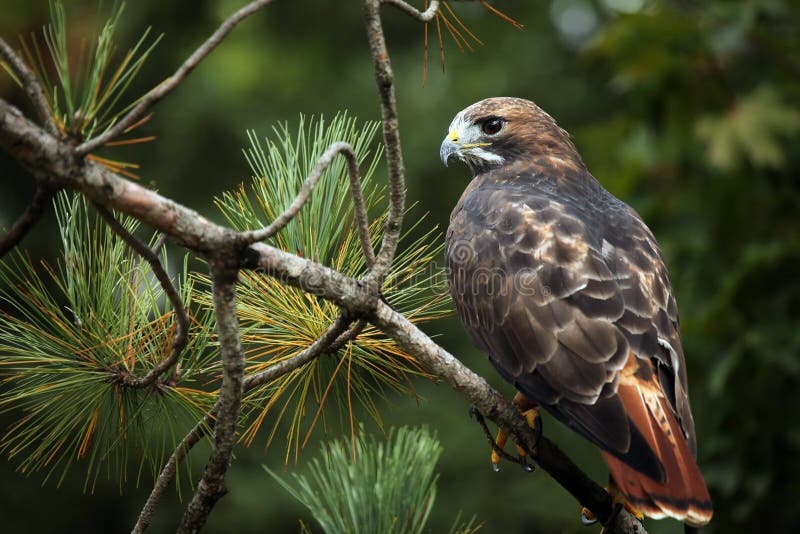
{"points": [[28, 219], [324, 161], [168, 85], [212, 485], [30, 85], [181, 317]]}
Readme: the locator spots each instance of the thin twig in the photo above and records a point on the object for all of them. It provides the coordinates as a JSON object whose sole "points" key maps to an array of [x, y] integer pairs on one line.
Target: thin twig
{"points": [[304, 194], [201, 429], [181, 317], [30, 85], [384, 79], [348, 336], [321, 345], [27, 220], [168, 85], [422, 16], [211, 486]]}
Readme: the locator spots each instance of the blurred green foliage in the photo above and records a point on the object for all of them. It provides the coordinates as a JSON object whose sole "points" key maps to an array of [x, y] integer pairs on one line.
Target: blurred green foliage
{"points": [[686, 110]]}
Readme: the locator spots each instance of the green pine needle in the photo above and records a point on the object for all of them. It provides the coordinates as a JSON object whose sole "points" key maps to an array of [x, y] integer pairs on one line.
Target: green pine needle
{"points": [[72, 331], [362, 485], [85, 91], [279, 321]]}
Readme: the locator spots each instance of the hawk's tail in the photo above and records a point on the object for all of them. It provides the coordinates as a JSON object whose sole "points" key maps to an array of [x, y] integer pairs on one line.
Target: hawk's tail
{"points": [[683, 493]]}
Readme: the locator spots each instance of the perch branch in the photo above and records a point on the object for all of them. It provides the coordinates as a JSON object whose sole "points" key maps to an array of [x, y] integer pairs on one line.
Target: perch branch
{"points": [[168, 85], [181, 317], [211, 486], [30, 85], [304, 194], [27, 220]]}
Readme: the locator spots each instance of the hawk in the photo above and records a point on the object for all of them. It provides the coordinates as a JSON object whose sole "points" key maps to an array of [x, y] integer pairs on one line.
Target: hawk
{"points": [[564, 287]]}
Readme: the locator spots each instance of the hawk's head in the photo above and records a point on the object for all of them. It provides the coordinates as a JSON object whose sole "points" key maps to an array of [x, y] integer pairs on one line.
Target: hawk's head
{"points": [[498, 131]]}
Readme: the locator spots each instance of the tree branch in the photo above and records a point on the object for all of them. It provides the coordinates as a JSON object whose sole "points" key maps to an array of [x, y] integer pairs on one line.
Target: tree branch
{"points": [[391, 140], [170, 468], [422, 16], [304, 194], [495, 407], [321, 345], [181, 317], [30, 85], [27, 220], [168, 85], [212, 485]]}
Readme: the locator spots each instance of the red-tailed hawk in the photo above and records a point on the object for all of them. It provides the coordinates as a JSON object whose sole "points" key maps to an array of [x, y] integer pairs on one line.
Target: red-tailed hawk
{"points": [[563, 286]]}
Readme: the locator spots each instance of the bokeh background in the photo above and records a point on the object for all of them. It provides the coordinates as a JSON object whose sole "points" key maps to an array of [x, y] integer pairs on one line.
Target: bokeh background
{"points": [[686, 110]]}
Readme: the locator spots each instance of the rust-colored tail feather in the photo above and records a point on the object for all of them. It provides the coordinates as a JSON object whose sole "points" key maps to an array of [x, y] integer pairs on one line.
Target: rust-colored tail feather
{"points": [[683, 493]]}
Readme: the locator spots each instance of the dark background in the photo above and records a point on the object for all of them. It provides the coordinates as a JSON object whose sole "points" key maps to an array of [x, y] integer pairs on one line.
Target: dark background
{"points": [[686, 110]]}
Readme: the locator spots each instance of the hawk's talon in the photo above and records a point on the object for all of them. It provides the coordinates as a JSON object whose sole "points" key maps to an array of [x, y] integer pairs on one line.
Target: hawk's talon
{"points": [[587, 517]]}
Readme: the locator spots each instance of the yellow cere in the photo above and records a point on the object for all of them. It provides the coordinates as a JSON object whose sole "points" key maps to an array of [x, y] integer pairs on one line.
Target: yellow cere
{"points": [[453, 136]]}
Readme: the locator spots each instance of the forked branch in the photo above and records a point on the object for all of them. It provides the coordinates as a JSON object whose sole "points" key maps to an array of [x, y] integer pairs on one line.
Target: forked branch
{"points": [[324, 161]]}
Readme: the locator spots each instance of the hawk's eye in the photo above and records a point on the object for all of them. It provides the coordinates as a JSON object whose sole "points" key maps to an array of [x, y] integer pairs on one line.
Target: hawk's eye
{"points": [[492, 125]]}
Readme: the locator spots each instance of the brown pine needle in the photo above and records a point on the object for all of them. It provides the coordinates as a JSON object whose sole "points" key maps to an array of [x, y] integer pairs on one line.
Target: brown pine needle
{"points": [[502, 15], [137, 124], [441, 43], [459, 39], [460, 23], [86, 442], [134, 141]]}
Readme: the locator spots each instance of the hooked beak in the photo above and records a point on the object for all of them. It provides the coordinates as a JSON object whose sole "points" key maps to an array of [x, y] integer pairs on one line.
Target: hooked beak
{"points": [[449, 148]]}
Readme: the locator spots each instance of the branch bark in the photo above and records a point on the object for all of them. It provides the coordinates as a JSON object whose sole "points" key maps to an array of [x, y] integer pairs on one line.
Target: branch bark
{"points": [[212, 485], [391, 140]]}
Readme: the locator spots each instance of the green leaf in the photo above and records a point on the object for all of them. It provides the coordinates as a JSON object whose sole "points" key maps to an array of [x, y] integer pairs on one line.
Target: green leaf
{"points": [[754, 130]]}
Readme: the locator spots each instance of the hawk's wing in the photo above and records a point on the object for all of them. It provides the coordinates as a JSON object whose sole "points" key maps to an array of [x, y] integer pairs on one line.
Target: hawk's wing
{"points": [[572, 303]]}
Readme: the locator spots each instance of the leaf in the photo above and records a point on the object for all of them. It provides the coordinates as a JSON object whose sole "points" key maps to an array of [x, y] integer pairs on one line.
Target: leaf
{"points": [[754, 130]]}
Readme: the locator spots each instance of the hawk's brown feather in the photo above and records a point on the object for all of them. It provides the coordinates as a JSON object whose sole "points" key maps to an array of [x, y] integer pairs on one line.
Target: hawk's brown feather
{"points": [[564, 288]]}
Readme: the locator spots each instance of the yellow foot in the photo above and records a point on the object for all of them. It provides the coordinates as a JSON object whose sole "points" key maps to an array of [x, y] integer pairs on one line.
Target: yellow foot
{"points": [[588, 518], [531, 415]]}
